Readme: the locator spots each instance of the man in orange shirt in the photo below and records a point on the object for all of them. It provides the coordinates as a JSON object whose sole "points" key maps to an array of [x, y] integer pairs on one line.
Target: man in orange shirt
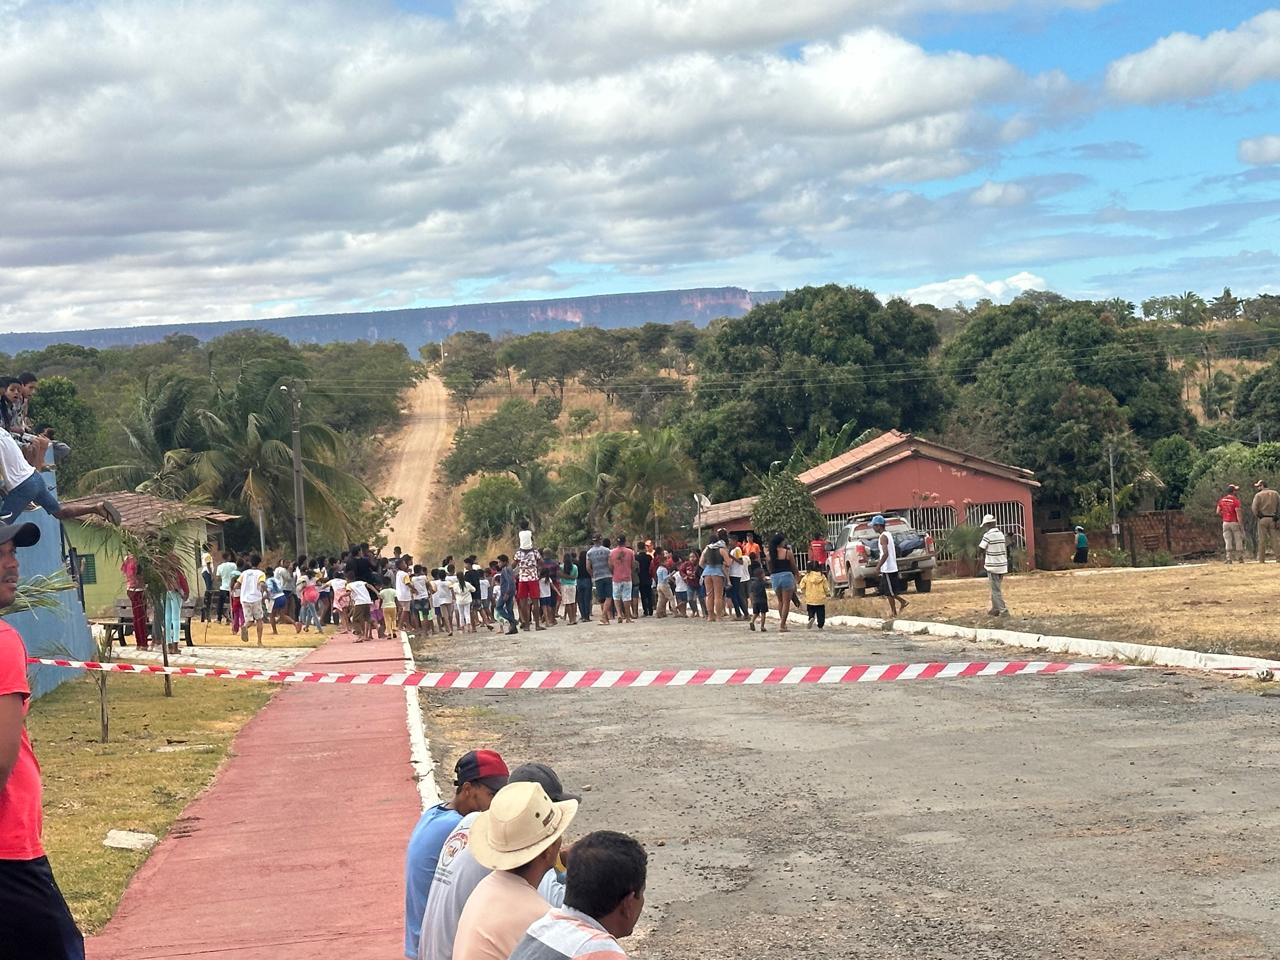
{"points": [[1232, 531], [35, 923]]}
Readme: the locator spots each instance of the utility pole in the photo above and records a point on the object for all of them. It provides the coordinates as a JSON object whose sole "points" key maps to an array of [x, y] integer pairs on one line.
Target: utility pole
{"points": [[299, 499], [1115, 526]]}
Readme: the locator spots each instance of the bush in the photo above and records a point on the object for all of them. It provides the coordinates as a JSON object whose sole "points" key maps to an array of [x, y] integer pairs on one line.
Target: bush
{"points": [[492, 505], [961, 542], [786, 506], [549, 407]]}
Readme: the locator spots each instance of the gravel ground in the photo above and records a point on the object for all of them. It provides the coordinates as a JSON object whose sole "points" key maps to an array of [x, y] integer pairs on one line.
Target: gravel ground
{"points": [[1118, 815]]}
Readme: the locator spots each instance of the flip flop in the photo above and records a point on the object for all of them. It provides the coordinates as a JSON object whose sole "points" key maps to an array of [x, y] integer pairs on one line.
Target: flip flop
{"points": [[113, 515]]}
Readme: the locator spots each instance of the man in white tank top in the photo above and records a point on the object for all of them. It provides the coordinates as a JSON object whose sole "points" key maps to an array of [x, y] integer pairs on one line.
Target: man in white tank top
{"points": [[887, 568]]}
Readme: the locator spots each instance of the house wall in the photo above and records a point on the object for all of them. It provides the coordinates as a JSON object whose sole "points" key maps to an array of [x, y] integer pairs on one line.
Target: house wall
{"points": [[56, 632], [104, 546], [908, 483]]}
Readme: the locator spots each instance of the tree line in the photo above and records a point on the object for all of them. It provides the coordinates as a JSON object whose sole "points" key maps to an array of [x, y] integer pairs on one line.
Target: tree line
{"points": [[1064, 387], [210, 422]]}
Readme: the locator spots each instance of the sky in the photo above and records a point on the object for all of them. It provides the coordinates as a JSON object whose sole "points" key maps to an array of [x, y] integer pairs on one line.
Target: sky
{"points": [[172, 161]]}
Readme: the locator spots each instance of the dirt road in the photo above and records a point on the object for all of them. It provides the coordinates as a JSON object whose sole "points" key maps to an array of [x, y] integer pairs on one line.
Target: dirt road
{"points": [[1093, 815], [414, 455]]}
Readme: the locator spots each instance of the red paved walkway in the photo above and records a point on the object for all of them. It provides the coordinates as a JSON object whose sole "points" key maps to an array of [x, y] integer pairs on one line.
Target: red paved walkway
{"points": [[297, 849]]}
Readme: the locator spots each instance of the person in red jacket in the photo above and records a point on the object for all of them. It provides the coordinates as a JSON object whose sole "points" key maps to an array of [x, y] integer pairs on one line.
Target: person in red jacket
{"points": [[35, 923], [1232, 531]]}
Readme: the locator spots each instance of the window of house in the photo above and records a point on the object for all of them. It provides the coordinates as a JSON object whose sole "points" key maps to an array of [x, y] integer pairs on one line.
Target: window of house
{"points": [[88, 569]]}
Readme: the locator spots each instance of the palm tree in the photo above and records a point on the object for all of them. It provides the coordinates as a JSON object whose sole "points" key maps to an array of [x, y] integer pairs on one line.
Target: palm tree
{"points": [[1191, 311], [160, 431], [592, 478], [248, 465], [652, 472]]}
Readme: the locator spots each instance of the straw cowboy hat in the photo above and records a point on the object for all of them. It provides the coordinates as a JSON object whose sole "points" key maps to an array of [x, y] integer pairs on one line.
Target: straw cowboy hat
{"points": [[521, 823]]}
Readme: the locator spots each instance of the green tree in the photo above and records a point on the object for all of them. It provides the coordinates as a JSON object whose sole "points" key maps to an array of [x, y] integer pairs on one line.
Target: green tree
{"points": [[516, 435], [1171, 459], [57, 404], [580, 418], [785, 505], [494, 504], [816, 359], [653, 473]]}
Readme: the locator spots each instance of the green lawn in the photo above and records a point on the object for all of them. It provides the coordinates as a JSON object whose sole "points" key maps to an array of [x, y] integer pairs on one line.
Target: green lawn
{"points": [[128, 783]]}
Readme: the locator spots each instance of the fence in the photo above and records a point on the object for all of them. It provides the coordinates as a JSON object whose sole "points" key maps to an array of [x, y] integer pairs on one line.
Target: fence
{"points": [[1008, 514]]}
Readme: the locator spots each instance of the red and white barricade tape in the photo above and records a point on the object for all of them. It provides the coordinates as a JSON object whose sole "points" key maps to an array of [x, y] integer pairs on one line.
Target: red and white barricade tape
{"points": [[597, 679]]}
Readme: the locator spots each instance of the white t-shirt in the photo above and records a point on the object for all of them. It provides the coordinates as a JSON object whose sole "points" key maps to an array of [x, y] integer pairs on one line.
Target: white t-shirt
{"points": [[679, 582], [457, 875], [404, 587], [443, 593], [337, 585], [739, 566], [996, 551], [251, 585], [420, 588], [890, 548], [13, 465], [461, 590], [359, 591]]}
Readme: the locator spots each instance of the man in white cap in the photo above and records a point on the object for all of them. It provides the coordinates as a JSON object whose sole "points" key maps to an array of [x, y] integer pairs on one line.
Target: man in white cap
{"points": [[995, 558], [519, 839], [458, 873]]}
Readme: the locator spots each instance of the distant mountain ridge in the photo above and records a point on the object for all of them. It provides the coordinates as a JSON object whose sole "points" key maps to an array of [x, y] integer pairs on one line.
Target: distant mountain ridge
{"points": [[420, 325]]}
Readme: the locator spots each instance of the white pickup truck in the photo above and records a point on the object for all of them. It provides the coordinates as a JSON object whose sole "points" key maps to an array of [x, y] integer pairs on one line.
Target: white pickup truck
{"points": [[853, 562]]}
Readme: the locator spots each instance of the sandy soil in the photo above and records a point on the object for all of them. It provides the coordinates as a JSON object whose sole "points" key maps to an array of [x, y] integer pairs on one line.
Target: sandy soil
{"points": [[1211, 607], [1099, 815], [414, 455]]}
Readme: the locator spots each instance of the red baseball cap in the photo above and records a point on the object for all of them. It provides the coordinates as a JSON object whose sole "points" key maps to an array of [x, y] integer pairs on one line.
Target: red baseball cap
{"points": [[484, 766]]}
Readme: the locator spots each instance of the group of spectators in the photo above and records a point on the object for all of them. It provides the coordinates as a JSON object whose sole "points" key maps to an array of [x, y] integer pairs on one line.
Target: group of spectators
{"points": [[1265, 508], [489, 874]]}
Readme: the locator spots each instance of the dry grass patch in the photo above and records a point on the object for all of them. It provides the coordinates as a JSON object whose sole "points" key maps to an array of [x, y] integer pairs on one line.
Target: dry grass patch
{"points": [[1213, 608], [129, 783]]}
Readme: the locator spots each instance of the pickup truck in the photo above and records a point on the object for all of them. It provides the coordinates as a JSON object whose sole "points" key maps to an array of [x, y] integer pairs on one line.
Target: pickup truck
{"points": [[853, 562]]}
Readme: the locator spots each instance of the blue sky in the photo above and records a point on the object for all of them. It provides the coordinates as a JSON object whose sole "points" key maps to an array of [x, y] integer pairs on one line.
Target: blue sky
{"points": [[210, 161]]}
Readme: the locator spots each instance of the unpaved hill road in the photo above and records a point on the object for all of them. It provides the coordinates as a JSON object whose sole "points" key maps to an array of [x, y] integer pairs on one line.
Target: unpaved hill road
{"points": [[414, 455]]}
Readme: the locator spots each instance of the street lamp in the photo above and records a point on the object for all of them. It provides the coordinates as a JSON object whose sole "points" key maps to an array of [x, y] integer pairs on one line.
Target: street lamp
{"points": [[294, 392]]}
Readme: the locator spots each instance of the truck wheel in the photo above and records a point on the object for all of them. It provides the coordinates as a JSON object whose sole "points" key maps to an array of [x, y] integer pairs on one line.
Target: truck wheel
{"points": [[923, 585]]}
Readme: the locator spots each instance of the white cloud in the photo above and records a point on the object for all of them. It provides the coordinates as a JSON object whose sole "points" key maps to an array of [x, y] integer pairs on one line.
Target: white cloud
{"points": [[1260, 151], [216, 161], [1182, 66], [971, 288], [992, 194]]}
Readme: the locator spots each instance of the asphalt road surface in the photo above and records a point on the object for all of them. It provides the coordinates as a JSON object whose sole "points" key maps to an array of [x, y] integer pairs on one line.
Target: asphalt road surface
{"points": [[1117, 815]]}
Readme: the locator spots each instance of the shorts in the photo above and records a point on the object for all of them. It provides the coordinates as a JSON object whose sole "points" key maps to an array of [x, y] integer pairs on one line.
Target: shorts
{"points": [[603, 589], [760, 609], [375, 614], [786, 580], [34, 914], [343, 602], [253, 610], [359, 613], [568, 593], [279, 602], [622, 591], [682, 596], [422, 607], [890, 585], [527, 590], [547, 602]]}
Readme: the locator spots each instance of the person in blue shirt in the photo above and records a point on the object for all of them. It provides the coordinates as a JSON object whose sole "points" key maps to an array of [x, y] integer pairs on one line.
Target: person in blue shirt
{"points": [[1082, 547], [477, 776]]}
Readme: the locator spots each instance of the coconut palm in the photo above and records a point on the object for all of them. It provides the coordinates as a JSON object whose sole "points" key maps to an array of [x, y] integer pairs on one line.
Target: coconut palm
{"points": [[591, 480], [652, 472], [160, 431]]}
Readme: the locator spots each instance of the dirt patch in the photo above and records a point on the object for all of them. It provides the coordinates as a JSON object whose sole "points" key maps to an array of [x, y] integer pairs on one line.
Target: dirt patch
{"points": [[1214, 608]]}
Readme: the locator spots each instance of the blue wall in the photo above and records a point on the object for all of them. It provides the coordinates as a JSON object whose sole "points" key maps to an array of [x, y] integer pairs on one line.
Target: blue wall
{"points": [[59, 632]]}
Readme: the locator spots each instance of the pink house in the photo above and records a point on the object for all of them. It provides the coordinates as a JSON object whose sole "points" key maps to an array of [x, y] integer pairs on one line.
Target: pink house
{"points": [[934, 486]]}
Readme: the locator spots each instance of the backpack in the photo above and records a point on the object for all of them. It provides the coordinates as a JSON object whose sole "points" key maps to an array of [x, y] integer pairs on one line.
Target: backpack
{"points": [[710, 557]]}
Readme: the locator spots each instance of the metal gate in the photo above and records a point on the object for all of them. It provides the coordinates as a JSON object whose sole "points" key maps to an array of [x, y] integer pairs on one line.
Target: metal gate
{"points": [[1008, 514]]}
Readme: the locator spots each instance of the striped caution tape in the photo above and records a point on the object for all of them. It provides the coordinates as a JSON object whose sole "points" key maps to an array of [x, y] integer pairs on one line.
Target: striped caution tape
{"points": [[598, 679]]}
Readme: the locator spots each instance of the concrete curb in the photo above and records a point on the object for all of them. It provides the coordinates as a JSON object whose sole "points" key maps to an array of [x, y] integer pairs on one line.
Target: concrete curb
{"points": [[424, 767], [1078, 646]]}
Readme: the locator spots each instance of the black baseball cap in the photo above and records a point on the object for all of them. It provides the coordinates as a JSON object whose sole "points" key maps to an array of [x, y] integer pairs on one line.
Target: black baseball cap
{"points": [[542, 774], [22, 534]]}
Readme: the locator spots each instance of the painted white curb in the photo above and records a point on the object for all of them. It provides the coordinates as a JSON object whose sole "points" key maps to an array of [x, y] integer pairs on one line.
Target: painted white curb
{"points": [[424, 768], [1078, 646]]}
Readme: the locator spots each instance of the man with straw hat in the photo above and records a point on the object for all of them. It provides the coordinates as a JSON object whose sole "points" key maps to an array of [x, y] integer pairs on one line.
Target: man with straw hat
{"points": [[459, 873], [519, 839]]}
